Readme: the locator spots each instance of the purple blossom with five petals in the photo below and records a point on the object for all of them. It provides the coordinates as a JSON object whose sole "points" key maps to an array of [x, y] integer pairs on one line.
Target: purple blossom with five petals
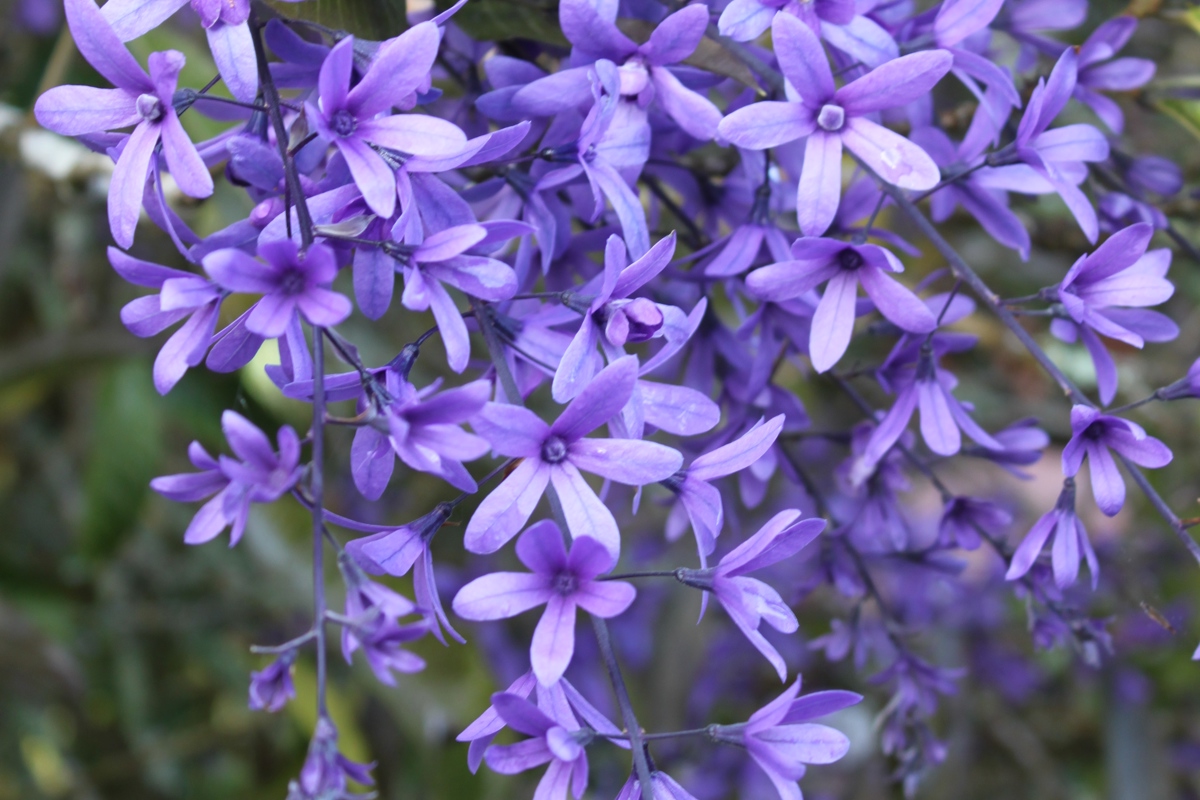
{"points": [[832, 118], [845, 266], [562, 581], [782, 744], [1094, 434], [748, 601], [272, 687], [261, 476], [291, 281], [1105, 292], [556, 454], [373, 612], [145, 102], [556, 740], [350, 118]]}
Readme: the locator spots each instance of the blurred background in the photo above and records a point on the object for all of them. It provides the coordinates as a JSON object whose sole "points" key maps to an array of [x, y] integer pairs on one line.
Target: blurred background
{"points": [[124, 655]]}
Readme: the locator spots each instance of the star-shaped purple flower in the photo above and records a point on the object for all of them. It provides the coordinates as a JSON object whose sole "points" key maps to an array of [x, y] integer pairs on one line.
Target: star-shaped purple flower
{"points": [[556, 739], [832, 118], [556, 454], [561, 581], [1093, 435]]}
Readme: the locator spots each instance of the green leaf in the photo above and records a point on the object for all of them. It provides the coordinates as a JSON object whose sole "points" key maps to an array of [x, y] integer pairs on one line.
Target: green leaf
{"points": [[366, 19], [124, 456], [496, 20]]}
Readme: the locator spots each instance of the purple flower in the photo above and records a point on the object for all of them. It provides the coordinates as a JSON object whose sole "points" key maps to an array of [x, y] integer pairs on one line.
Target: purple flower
{"points": [[1187, 386], [749, 601], [350, 118], [1104, 293], [699, 500], [1099, 71], [182, 295], [832, 118], [665, 787], [1070, 539], [963, 517], [556, 740], [746, 20], [782, 747], [845, 266], [421, 428], [556, 454], [261, 476], [372, 612], [145, 102], [290, 281], [1057, 157], [326, 771], [225, 24], [562, 581], [612, 317], [271, 688], [1093, 434]]}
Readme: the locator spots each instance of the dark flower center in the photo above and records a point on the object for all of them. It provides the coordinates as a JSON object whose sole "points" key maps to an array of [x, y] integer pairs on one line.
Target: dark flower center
{"points": [[292, 282], [150, 107], [554, 450], [343, 123], [831, 117], [565, 583], [850, 259]]}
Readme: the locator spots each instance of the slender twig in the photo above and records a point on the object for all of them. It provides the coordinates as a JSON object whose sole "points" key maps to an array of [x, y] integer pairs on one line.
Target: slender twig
{"points": [[292, 644]]}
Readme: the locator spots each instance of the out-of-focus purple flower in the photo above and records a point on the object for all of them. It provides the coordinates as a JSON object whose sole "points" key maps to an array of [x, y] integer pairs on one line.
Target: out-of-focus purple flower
{"points": [[663, 784], [846, 266], [749, 601], [372, 623], [562, 581], [1055, 158], [1099, 71], [1070, 540], [290, 281], [261, 476], [556, 740], [143, 101], [610, 316], [326, 771], [699, 500], [556, 454], [182, 295], [962, 517], [349, 117], [1105, 293], [271, 688], [1022, 443], [1028, 20], [832, 118], [1187, 386], [746, 20], [781, 747], [1093, 434]]}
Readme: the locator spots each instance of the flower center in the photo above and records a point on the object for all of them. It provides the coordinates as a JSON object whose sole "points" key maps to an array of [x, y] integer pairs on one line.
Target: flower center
{"points": [[554, 450], [565, 583], [343, 123], [831, 117], [850, 259], [292, 282], [150, 107]]}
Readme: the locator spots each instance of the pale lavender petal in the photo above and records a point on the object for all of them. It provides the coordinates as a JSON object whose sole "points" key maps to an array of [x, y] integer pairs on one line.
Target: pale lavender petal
{"points": [[512, 431], [896, 83], [677, 36], [128, 184], [503, 512], [553, 640], [232, 48], [1107, 486], [75, 110], [958, 19], [896, 302], [894, 158], [738, 454], [802, 59], [937, 424], [820, 184], [103, 49], [833, 322], [605, 599], [397, 70], [371, 462], [586, 514], [627, 461], [414, 133], [680, 410], [600, 401], [1031, 546], [500, 595], [541, 548], [766, 124], [745, 20], [373, 177], [129, 19]]}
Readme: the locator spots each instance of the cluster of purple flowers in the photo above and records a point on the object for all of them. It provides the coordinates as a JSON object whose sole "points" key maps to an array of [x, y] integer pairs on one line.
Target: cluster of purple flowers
{"points": [[533, 208]]}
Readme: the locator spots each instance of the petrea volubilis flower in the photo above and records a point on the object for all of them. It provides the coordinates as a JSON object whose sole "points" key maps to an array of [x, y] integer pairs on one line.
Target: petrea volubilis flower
{"points": [[746, 20], [326, 771], [145, 102], [291, 281], [260, 476], [1099, 72], [556, 454], [833, 118], [556, 740], [1070, 542], [781, 747], [562, 581], [271, 687], [748, 601], [845, 266], [1094, 435]]}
